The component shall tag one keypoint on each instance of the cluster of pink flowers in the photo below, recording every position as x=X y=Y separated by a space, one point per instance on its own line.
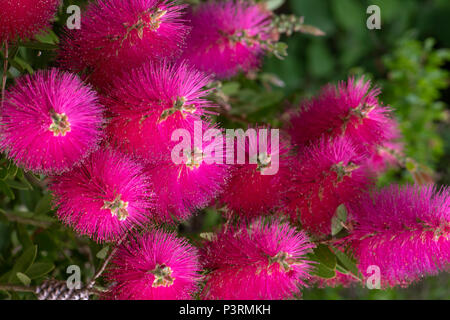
x=145 y=69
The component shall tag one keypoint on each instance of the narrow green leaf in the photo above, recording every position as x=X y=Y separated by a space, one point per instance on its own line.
x=6 y=190
x=24 y=236
x=12 y=170
x=23 y=278
x=39 y=269
x=44 y=205
x=274 y=4
x=23 y=65
x=102 y=253
x=323 y=271
x=341 y=269
x=325 y=256
x=25 y=261
x=17 y=185
x=347 y=262
x=338 y=220
x=39 y=45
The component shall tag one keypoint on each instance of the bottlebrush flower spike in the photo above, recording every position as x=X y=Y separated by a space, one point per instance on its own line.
x=50 y=122
x=352 y=110
x=388 y=154
x=227 y=36
x=261 y=261
x=104 y=197
x=151 y=102
x=260 y=180
x=192 y=183
x=340 y=280
x=405 y=231
x=154 y=266
x=25 y=18
x=121 y=34
x=328 y=174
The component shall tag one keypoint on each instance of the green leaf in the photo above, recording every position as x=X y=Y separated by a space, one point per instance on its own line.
x=12 y=170
x=323 y=271
x=23 y=278
x=22 y=65
x=39 y=45
x=102 y=253
x=17 y=185
x=24 y=236
x=325 y=256
x=347 y=262
x=39 y=269
x=341 y=269
x=338 y=220
x=274 y=4
x=4 y=172
x=25 y=261
x=44 y=205
x=6 y=190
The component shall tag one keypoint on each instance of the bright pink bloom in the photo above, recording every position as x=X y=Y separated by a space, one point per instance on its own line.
x=184 y=187
x=104 y=197
x=121 y=34
x=50 y=121
x=154 y=266
x=226 y=36
x=151 y=102
x=262 y=261
x=25 y=18
x=340 y=280
x=405 y=231
x=328 y=175
x=351 y=110
x=259 y=182
x=387 y=155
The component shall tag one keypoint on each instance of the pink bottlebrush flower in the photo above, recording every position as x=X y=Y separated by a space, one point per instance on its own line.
x=340 y=280
x=184 y=187
x=104 y=197
x=25 y=18
x=352 y=110
x=262 y=261
x=226 y=36
x=50 y=121
x=405 y=231
x=154 y=266
x=151 y=102
x=121 y=34
x=386 y=155
x=328 y=174
x=259 y=182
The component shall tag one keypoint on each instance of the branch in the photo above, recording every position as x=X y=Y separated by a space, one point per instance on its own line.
x=106 y=262
x=15 y=288
x=37 y=223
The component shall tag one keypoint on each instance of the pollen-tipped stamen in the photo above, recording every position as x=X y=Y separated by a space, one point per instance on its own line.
x=264 y=161
x=285 y=261
x=60 y=124
x=117 y=207
x=194 y=159
x=344 y=170
x=163 y=276
x=179 y=105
